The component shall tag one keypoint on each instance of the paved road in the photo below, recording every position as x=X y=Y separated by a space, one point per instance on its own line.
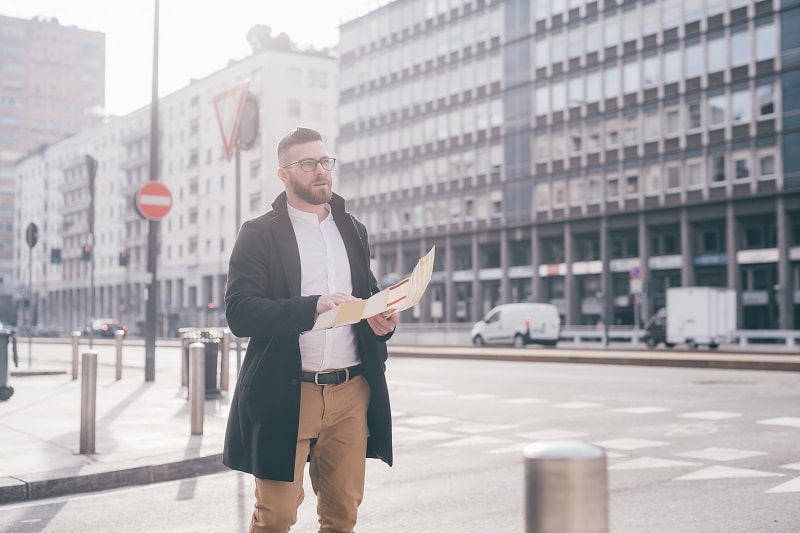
x=689 y=451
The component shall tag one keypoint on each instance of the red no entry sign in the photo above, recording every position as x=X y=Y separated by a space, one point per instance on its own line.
x=153 y=200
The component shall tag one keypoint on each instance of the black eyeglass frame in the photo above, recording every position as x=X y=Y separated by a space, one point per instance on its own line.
x=321 y=162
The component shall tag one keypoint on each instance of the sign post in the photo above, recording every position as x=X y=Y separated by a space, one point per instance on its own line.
x=636 y=291
x=153 y=200
x=31 y=237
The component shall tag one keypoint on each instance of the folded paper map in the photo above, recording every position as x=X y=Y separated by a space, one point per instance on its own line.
x=402 y=295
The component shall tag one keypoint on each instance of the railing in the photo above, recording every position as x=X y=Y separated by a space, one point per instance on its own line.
x=458 y=334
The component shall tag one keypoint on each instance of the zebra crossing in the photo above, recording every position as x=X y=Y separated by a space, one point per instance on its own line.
x=436 y=432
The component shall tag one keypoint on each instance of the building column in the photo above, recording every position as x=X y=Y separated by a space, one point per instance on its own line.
x=605 y=276
x=505 y=286
x=449 y=291
x=536 y=284
x=477 y=296
x=642 y=299
x=687 y=266
x=570 y=291
x=784 y=292
x=427 y=298
x=731 y=232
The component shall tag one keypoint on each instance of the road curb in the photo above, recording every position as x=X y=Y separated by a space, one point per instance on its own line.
x=62 y=483
x=785 y=363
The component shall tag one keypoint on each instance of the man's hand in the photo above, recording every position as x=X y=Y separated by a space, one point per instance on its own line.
x=383 y=325
x=331 y=301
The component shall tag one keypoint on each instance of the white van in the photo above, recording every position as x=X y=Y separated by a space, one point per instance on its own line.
x=518 y=324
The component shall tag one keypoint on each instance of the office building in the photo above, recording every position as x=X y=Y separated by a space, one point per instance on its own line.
x=52 y=84
x=591 y=154
x=291 y=88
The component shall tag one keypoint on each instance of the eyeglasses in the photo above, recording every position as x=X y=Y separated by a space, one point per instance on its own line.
x=310 y=165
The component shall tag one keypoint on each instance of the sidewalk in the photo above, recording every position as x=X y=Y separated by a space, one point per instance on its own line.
x=142 y=435
x=143 y=428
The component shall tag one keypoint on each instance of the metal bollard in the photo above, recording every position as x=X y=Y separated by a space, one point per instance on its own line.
x=197 y=385
x=76 y=344
x=566 y=488
x=224 y=359
x=88 y=400
x=118 y=336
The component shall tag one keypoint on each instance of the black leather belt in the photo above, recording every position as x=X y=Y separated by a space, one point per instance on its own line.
x=332 y=377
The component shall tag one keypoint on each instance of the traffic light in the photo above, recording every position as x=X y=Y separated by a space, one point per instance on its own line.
x=211 y=305
x=55 y=256
x=123 y=258
x=86 y=252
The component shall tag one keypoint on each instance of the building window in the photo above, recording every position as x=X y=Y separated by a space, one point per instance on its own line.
x=559 y=193
x=652 y=180
x=766 y=42
x=741 y=106
x=612 y=134
x=543 y=197
x=717 y=55
x=632 y=130
x=694 y=61
x=766 y=166
x=612 y=187
x=717 y=110
x=741 y=166
x=672 y=66
x=673 y=177
x=594 y=137
x=717 y=170
x=672 y=122
x=740 y=49
x=630 y=74
x=766 y=100
x=593 y=192
x=593 y=87
x=695 y=115
x=652 y=129
x=575 y=140
x=576 y=191
x=631 y=186
x=650 y=72
x=694 y=174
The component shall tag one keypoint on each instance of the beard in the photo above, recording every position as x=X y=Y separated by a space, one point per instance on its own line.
x=312 y=194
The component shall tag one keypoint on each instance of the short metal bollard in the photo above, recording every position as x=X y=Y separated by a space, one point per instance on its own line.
x=118 y=336
x=566 y=488
x=88 y=400
x=224 y=359
x=197 y=385
x=76 y=345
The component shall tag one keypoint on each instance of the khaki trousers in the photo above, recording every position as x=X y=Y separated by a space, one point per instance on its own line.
x=333 y=431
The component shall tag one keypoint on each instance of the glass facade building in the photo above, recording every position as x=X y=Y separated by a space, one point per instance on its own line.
x=588 y=154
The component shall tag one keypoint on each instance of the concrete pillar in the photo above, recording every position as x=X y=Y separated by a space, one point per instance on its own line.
x=784 y=292
x=570 y=290
x=687 y=268
x=731 y=233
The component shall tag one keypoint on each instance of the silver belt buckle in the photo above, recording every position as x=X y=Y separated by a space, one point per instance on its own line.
x=316 y=379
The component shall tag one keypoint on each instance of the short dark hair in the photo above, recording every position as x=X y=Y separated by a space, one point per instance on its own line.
x=296 y=136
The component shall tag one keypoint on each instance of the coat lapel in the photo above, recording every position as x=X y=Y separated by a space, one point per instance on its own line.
x=286 y=240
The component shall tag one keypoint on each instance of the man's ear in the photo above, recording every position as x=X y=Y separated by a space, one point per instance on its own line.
x=282 y=174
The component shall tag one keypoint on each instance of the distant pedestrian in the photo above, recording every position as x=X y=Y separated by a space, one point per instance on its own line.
x=306 y=396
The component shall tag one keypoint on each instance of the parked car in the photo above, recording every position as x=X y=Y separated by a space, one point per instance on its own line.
x=106 y=327
x=518 y=324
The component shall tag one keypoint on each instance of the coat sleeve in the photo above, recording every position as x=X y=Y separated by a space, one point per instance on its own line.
x=258 y=300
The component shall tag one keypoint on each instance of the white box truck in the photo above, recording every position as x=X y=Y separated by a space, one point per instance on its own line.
x=700 y=316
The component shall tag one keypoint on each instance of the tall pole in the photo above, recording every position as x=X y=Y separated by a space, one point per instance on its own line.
x=152 y=237
x=238 y=225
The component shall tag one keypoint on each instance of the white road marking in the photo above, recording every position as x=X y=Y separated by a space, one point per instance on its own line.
x=427 y=420
x=521 y=401
x=630 y=444
x=550 y=434
x=650 y=462
x=726 y=472
x=471 y=441
x=710 y=415
x=577 y=405
x=788 y=421
x=475 y=396
x=720 y=454
x=789 y=486
x=642 y=410
x=478 y=427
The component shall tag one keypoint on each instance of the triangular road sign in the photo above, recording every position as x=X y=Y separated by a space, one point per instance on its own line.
x=228 y=108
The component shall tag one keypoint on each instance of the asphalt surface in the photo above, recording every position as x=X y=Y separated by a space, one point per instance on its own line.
x=143 y=429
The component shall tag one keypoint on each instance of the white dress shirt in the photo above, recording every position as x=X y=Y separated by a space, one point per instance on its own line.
x=324 y=269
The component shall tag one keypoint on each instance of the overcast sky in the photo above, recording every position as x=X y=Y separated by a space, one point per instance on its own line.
x=197 y=38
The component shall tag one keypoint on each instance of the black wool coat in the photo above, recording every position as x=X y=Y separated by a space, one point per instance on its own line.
x=263 y=302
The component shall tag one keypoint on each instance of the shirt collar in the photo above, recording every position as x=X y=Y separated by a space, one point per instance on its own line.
x=297 y=214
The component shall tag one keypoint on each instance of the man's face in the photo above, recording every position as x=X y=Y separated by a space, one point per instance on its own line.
x=312 y=187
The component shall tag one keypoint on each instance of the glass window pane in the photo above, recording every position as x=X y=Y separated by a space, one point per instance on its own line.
x=575 y=92
x=650 y=70
x=672 y=66
x=742 y=107
x=695 y=115
x=740 y=49
x=611 y=78
x=717 y=55
x=717 y=110
x=717 y=163
x=593 y=87
x=611 y=32
x=766 y=100
x=542 y=100
x=694 y=61
x=631 y=77
x=766 y=42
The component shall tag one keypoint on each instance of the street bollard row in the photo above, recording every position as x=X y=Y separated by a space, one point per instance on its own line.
x=566 y=488
x=88 y=401
x=197 y=386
